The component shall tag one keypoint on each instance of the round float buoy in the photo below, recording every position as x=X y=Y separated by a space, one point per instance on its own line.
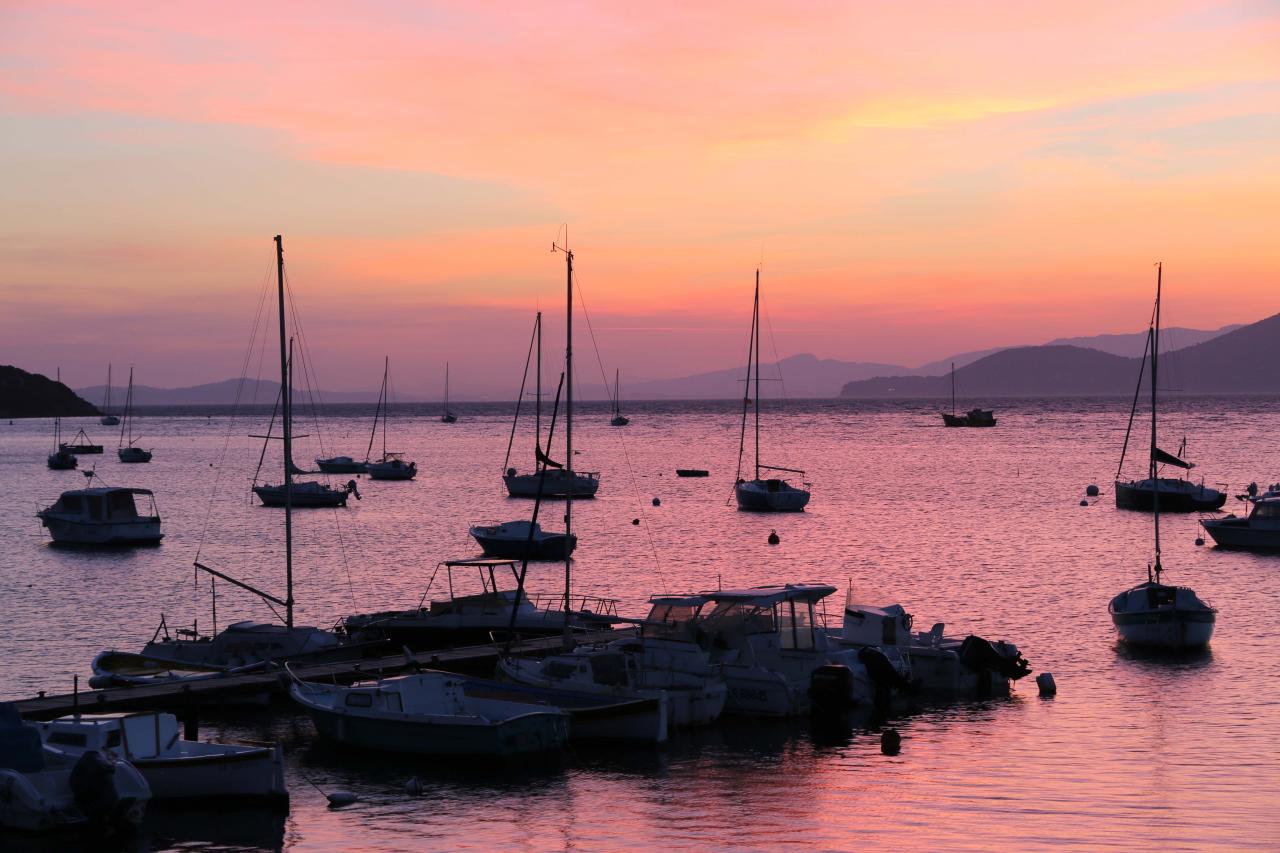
x=890 y=742
x=635 y=521
x=1084 y=503
x=657 y=502
x=773 y=537
x=338 y=799
x=1045 y=682
x=1199 y=540
x=1091 y=490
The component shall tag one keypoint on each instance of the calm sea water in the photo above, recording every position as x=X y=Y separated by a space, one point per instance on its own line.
x=981 y=529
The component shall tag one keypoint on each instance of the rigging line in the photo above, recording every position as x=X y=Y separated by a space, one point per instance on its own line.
x=635 y=492
x=342 y=546
x=528 y=359
x=313 y=390
x=777 y=361
x=746 y=395
x=582 y=301
x=1133 y=409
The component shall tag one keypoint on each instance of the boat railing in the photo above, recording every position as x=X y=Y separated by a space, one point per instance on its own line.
x=581 y=603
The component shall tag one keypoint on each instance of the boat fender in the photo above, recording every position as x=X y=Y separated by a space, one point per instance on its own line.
x=880 y=669
x=1084 y=503
x=1199 y=540
x=1046 y=684
x=831 y=688
x=414 y=787
x=890 y=742
x=338 y=799
x=101 y=682
x=93 y=786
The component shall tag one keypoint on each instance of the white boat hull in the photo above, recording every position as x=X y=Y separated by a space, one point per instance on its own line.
x=71 y=532
x=1157 y=632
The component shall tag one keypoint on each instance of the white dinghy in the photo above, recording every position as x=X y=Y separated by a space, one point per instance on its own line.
x=175 y=769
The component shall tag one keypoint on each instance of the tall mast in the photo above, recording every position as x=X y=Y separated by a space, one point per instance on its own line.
x=287 y=396
x=953 y=389
x=57 y=420
x=617 y=392
x=756 y=322
x=568 y=420
x=1155 y=360
x=446 y=387
x=106 y=405
x=537 y=398
x=386 y=369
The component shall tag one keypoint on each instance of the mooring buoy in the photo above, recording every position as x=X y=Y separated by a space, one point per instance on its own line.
x=657 y=502
x=1199 y=540
x=1084 y=503
x=635 y=521
x=1046 y=684
x=773 y=537
x=1091 y=490
x=890 y=742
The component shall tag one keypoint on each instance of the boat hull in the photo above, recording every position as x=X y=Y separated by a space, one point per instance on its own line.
x=1185 y=498
x=554 y=485
x=69 y=532
x=62 y=461
x=301 y=499
x=391 y=470
x=81 y=449
x=590 y=719
x=255 y=775
x=133 y=455
x=333 y=466
x=1239 y=534
x=760 y=496
x=109 y=420
x=555 y=546
x=1171 y=630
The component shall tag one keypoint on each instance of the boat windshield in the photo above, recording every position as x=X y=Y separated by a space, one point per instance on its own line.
x=742 y=617
x=1267 y=510
x=671 y=621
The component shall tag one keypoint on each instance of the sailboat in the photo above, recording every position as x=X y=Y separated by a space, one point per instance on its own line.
x=390 y=466
x=246 y=645
x=618 y=418
x=553 y=479
x=762 y=494
x=974 y=417
x=60 y=459
x=447 y=417
x=126 y=451
x=107 y=418
x=1154 y=614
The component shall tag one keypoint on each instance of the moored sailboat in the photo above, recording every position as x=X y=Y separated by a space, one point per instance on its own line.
x=618 y=419
x=391 y=466
x=108 y=419
x=127 y=451
x=60 y=459
x=447 y=416
x=973 y=418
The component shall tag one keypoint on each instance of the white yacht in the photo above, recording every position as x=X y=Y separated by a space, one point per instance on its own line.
x=1259 y=531
x=102 y=515
x=175 y=768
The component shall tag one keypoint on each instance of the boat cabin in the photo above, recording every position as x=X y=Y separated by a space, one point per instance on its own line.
x=768 y=617
x=673 y=617
x=131 y=736
x=103 y=505
x=865 y=625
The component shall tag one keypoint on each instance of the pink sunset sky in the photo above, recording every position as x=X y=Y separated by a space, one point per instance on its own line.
x=917 y=179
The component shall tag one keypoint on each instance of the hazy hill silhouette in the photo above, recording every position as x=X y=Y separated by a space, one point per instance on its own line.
x=30 y=395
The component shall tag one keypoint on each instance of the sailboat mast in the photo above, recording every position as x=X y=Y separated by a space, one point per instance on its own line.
x=287 y=386
x=537 y=397
x=386 y=370
x=1155 y=361
x=953 y=389
x=57 y=421
x=446 y=387
x=617 y=393
x=106 y=405
x=756 y=322
x=568 y=429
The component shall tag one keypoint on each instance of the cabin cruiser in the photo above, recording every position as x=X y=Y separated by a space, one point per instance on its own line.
x=522 y=539
x=1176 y=495
x=773 y=651
x=1259 y=531
x=340 y=465
x=470 y=618
x=770 y=495
x=939 y=665
x=391 y=467
x=41 y=792
x=665 y=660
x=430 y=713
x=175 y=768
x=555 y=483
x=308 y=494
x=102 y=516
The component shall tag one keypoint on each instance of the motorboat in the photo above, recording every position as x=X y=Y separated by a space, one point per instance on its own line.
x=391 y=467
x=307 y=494
x=430 y=713
x=108 y=419
x=41 y=793
x=103 y=515
x=467 y=617
x=522 y=539
x=762 y=493
x=1259 y=531
x=340 y=465
x=773 y=651
x=81 y=445
x=126 y=450
x=592 y=717
x=1154 y=614
x=1176 y=495
x=937 y=665
x=973 y=418
x=175 y=769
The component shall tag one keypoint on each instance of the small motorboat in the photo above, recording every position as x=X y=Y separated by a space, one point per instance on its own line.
x=692 y=472
x=1259 y=531
x=62 y=460
x=391 y=467
x=133 y=454
x=102 y=516
x=430 y=713
x=340 y=465
x=81 y=445
x=40 y=792
x=175 y=768
x=307 y=494
x=522 y=539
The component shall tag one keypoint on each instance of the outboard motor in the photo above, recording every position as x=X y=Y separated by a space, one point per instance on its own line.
x=880 y=669
x=831 y=689
x=1002 y=658
x=352 y=490
x=93 y=785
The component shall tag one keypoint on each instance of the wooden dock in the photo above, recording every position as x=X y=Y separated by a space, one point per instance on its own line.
x=244 y=686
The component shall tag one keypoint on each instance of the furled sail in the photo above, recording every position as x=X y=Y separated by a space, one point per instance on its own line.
x=544 y=459
x=1170 y=459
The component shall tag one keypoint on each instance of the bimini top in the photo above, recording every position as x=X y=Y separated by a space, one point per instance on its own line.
x=691 y=600
x=766 y=595
x=102 y=491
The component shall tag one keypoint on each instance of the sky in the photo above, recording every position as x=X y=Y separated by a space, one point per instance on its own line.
x=913 y=179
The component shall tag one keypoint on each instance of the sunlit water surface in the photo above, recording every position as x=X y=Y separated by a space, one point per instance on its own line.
x=981 y=529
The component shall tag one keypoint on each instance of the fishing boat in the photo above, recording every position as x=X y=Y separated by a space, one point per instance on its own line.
x=973 y=418
x=469 y=617
x=936 y=665
x=618 y=418
x=108 y=419
x=522 y=539
x=1154 y=614
x=60 y=459
x=447 y=416
x=192 y=654
x=762 y=494
x=103 y=515
x=549 y=479
x=126 y=450
x=40 y=792
x=81 y=445
x=1259 y=531
x=391 y=466
x=175 y=768
x=430 y=713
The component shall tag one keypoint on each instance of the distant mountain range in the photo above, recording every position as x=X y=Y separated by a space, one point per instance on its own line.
x=1239 y=361
x=30 y=395
x=223 y=393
